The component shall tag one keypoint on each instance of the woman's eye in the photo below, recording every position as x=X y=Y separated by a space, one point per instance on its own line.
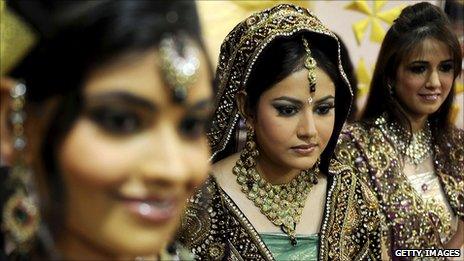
x=447 y=67
x=418 y=69
x=324 y=109
x=193 y=127
x=286 y=110
x=117 y=122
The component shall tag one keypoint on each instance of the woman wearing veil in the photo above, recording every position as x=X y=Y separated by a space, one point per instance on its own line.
x=274 y=199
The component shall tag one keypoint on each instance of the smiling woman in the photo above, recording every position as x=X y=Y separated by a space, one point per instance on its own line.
x=117 y=95
x=405 y=147
x=279 y=71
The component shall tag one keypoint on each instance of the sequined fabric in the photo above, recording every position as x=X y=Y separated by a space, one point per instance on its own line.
x=406 y=222
x=214 y=228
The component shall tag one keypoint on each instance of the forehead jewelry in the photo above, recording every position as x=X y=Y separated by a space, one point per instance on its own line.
x=179 y=65
x=310 y=64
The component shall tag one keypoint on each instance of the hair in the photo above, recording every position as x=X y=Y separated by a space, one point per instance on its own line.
x=415 y=24
x=75 y=38
x=278 y=60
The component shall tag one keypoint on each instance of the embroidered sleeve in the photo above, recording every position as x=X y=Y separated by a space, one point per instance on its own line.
x=450 y=167
x=360 y=236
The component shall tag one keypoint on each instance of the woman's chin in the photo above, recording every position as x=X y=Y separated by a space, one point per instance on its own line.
x=302 y=163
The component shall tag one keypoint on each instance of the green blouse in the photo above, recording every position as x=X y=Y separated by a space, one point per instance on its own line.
x=282 y=249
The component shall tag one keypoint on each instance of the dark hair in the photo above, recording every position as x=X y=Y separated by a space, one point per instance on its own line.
x=278 y=60
x=74 y=38
x=415 y=24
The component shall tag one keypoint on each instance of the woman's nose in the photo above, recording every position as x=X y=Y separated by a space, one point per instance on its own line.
x=164 y=159
x=433 y=80
x=307 y=126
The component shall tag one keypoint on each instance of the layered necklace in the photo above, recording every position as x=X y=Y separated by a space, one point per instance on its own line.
x=416 y=148
x=282 y=204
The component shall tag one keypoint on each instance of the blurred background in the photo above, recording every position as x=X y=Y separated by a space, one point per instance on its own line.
x=360 y=24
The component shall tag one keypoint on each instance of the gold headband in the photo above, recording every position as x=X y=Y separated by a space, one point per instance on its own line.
x=310 y=64
x=16 y=39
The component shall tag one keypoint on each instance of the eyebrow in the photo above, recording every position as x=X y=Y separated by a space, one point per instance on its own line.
x=289 y=99
x=136 y=101
x=299 y=102
x=325 y=98
x=122 y=97
x=426 y=62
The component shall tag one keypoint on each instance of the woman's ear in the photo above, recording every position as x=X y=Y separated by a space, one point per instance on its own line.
x=6 y=146
x=242 y=106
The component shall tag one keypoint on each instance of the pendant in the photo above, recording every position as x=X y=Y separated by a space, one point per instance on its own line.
x=293 y=240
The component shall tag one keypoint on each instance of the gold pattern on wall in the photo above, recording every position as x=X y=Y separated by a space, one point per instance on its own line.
x=375 y=18
x=16 y=39
x=364 y=76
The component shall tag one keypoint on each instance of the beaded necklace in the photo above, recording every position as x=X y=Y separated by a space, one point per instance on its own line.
x=418 y=149
x=282 y=204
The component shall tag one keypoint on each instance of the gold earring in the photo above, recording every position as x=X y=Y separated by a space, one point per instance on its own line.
x=250 y=151
x=20 y=213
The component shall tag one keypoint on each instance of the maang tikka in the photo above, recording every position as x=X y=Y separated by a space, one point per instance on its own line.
x=310 y=64
x=20 y=213
x=180 y=65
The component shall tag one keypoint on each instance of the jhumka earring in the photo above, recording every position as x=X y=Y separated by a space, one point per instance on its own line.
x=20 y=213
x=310 y=64
x=180 y=65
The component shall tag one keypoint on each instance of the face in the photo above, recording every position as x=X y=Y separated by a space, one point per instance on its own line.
x=424 y=80
x=290 y=131
x=134 y=156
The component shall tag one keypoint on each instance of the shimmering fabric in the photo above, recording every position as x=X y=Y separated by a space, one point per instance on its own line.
x=282 y=249
x=406 y=221
x=428 y=186
x=214 y=228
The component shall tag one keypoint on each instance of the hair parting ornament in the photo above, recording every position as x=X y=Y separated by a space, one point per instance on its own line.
x=310 y=64
x=179 y=65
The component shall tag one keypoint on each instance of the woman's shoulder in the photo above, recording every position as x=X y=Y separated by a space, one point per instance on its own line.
x=456 y=135
x=223 y=168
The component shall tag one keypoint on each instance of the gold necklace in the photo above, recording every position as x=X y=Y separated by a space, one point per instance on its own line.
x=415 y=151
x=282 y=204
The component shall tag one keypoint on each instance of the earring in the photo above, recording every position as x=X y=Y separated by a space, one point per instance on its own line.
x=390 y=88
x=20 y=213
x=315 y=171
x=250 y=151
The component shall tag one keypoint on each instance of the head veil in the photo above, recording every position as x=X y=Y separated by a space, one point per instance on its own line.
x=239 y=52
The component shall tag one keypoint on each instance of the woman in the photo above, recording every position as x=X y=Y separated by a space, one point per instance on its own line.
x=280 y=71
x=405 y=148
x=108 y=108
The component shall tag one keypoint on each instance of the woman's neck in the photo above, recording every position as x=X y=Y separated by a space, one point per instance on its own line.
x=417 y=123
x=273 y=172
